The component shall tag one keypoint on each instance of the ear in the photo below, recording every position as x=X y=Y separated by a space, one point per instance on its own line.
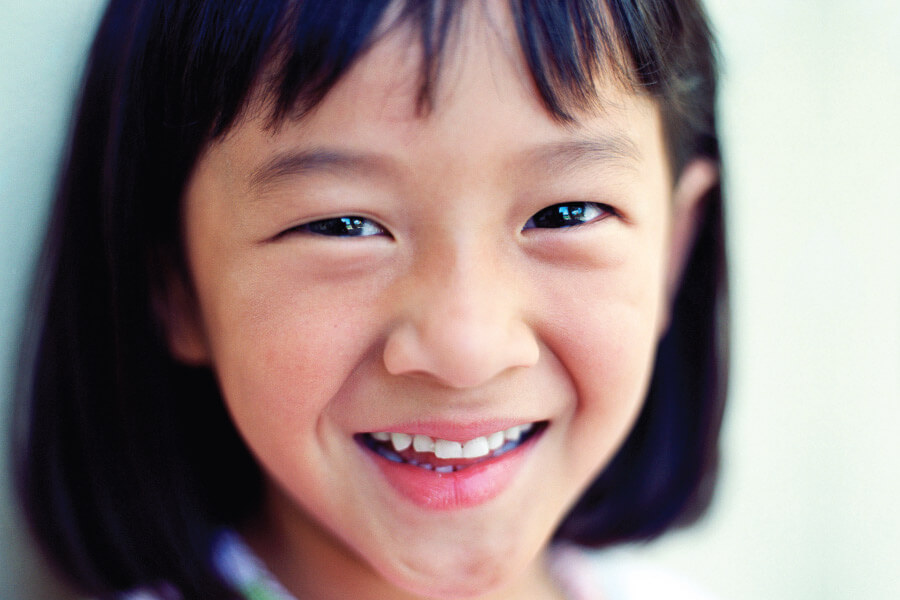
x=177 y=310
x=694 y=182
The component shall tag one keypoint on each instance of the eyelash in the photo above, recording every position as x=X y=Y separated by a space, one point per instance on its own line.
x=567 y=215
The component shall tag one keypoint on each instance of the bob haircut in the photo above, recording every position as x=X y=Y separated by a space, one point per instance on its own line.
x=126 y=461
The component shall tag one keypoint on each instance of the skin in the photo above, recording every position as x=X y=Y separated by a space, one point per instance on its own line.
x=457 y=310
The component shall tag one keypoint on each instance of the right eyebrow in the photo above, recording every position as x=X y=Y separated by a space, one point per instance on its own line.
x=614 y=149
x=307 y=162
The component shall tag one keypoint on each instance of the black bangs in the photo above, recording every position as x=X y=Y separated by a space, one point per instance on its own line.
x=564 y=43
x=567 y=46
x=291 y=54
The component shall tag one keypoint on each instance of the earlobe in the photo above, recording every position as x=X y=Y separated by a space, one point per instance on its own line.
x=692 y=187
x=177 y=311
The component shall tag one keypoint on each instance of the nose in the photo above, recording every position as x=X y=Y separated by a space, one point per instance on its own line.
x=461 y=323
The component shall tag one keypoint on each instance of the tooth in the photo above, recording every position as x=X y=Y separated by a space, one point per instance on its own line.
x=426 y=466
x=447 y=449
x=495 y=440
x=381 y=436
x=513 y=433
x=423 y=443
x=444 y=469
x=526 y=427
x=476 y=448
x=401 y=441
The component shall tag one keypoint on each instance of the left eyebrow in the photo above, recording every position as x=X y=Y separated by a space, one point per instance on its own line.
x=613 y=149
x=311 y=162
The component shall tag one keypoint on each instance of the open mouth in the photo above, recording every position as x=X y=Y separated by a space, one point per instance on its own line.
x=446 y=456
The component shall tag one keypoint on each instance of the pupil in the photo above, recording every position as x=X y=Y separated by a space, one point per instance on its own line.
x=340 y=226
x=560 y=215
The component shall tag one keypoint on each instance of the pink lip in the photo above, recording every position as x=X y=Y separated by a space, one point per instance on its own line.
x=466 y=488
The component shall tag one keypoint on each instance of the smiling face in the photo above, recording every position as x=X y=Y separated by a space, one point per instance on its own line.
x=369 y=278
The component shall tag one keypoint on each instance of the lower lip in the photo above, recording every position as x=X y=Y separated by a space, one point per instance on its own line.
x=466 y=488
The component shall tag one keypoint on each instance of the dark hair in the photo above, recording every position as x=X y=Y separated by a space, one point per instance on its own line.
x=117 y=485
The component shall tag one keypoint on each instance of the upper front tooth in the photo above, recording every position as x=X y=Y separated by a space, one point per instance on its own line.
x=476 y=448
x=495 y=440
x=401 y=441
x=423 y=443
x=447 y=449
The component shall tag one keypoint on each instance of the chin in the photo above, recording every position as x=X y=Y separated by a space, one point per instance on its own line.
x=454 y=586
x=457 y=572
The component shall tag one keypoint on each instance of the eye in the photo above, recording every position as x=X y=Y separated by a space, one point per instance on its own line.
x=349 y=226
x=568 y=214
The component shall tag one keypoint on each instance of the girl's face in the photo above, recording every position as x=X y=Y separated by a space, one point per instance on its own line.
x=445 y=277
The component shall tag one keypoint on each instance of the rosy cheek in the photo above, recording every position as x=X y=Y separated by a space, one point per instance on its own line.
x=284 y=347
x=602 y=327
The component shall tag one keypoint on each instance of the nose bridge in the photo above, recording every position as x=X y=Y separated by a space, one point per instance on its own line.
x=471 y=287
x=463 y=317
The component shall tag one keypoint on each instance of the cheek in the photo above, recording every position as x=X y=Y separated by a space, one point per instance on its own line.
x=603 y=330
x=609 y=358
x=281 y=350
x=283 y=356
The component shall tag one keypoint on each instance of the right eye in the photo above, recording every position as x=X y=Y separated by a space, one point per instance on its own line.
x=568 y=214
x=349 y=226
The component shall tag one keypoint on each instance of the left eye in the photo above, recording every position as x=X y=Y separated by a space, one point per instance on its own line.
x=567 y=214
x=350 y=226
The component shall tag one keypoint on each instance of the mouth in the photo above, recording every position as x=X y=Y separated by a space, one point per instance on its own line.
x=447 y=456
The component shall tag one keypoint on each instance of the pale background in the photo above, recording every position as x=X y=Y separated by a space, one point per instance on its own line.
x=806 y=509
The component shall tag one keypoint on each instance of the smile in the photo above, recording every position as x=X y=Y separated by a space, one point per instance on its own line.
x=447 y=456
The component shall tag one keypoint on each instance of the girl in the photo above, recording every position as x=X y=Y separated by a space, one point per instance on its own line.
x=377 y=299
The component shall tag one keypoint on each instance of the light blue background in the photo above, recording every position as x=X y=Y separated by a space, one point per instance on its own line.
x=42 y=48
x=808 y=503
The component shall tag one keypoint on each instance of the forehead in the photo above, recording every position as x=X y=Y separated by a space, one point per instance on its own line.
x=484 y=102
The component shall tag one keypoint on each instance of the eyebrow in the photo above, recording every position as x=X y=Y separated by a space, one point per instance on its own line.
x=317 y=160
x=614 y=149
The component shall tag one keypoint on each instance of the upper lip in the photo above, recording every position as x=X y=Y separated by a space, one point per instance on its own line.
x=454 y=431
